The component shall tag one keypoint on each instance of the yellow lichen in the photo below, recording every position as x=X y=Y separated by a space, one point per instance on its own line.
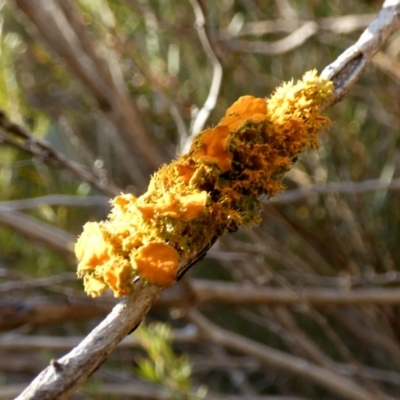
x=92 y=249
x=94 y=286
x=212 y=189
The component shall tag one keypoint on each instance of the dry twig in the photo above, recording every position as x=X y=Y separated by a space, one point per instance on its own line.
x=336 y=187
x=44 y=151
x=55 y=200
x=34 y=229
x=337 y=25
x=328 y=379
x=59 y=24
x=208 y=44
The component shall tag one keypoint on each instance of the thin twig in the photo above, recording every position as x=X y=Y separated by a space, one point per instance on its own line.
x=237 y=294
x=160 y=90
x=139 y=391
x=59 y=24
x=35 y=311
x=43 y=150
x=39 y=311
x=209 y=47
x=55 y=200
x=338 y=25
x=298 y=366
x=12 y=286
x=367 y=335
x=346 y=281
x=288 y=43
x=34 y=229
x=336 y=187
x=17 y=342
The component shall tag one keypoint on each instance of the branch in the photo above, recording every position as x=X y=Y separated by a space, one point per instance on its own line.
x=53 y=237
x=13 y=342
x=59 y=380
x=44 y=151
x=58 y=23
x=235 y=294
x=55 y=200
x=338 y=25
x=62 y=377
x=278 y=359
x=44 y=310
x=336 y=187
x=139 y=391
x=49 y=310
x=348 y=67
x=34 y=229
x=30 y=283
x=288 y=43
x=212 y=54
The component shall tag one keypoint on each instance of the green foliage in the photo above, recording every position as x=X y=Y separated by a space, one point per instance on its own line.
x=163 y=366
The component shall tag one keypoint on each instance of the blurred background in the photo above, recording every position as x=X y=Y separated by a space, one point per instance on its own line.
x=96 y=95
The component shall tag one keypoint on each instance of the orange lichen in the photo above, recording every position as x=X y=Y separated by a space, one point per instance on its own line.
x=157 y=263
x=246 y=108
x=214 y=188
x=213 y=147
x=185 y=172
x=248 y=105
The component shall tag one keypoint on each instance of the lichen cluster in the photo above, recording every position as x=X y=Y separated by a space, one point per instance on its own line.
x=214 y=188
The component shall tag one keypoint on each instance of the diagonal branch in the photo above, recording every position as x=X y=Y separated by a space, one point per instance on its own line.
x=55 y=200
x=337 y=187
x=23 y=140
x=322 y=376
x=338 y=25
x=212 y=54
x=49 y=310
x=58 y=24
x=348 y=67
x=288 y=43
x=54 y=237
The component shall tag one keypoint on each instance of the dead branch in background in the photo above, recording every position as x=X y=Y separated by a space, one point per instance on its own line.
x=55 y=200
x=290 y=42
x=59 y=24
x=19 y=137
x=211 y=52
x=338 y=25
x=326 y=378
x=336 y=187
x=299 y=32
x=62 y=377
x=72 y=306
x=36 y=230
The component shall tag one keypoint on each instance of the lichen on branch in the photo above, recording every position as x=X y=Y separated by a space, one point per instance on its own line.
x=214 y=188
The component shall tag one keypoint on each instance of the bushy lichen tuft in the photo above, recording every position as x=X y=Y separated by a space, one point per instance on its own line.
x=214 y=188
